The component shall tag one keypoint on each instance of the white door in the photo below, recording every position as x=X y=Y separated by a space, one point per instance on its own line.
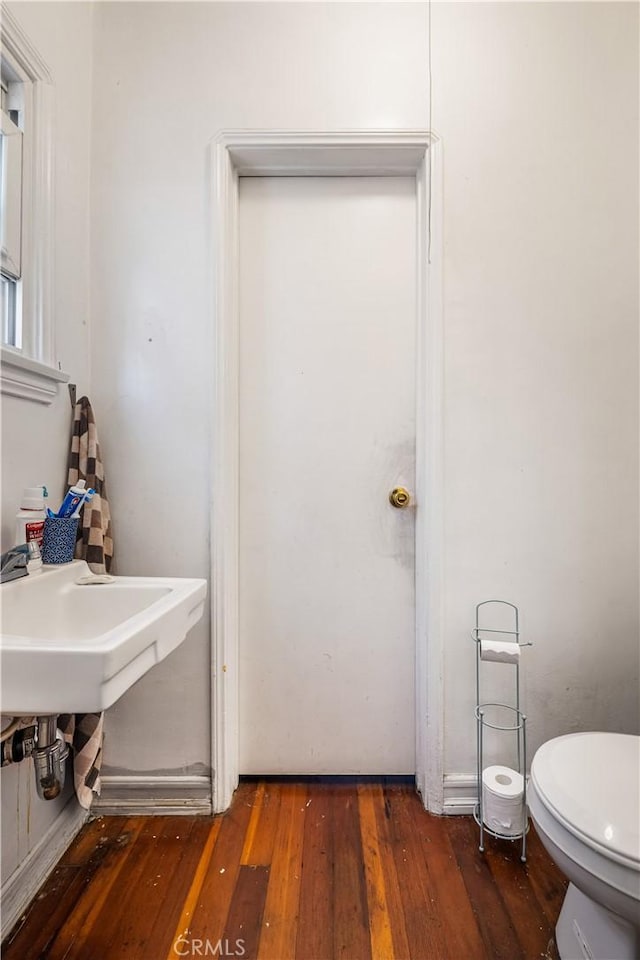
x=327 y=292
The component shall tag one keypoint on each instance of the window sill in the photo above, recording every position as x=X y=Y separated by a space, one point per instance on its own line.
x=29 y=379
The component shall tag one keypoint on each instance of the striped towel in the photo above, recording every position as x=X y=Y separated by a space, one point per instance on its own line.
x=83 y=732
x=95 y=541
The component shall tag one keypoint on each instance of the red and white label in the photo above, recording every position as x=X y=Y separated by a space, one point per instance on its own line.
x=34 y=530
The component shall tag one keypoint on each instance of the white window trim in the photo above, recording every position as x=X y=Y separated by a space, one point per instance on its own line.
x=31 y=372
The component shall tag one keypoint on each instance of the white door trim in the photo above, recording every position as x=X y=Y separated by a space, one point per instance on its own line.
x=368 y=153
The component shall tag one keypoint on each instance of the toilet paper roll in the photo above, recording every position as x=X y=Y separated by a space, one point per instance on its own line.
x=503 y=781
x=502 y=796
x=500 y=651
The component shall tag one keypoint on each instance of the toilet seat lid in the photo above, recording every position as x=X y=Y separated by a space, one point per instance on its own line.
x=591 y=782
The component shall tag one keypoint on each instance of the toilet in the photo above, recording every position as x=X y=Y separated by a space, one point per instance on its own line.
x=584 y=799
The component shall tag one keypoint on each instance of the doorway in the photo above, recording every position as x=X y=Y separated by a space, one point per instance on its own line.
x=361 y=155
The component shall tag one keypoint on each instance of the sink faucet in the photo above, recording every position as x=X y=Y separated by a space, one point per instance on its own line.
x=13 y=563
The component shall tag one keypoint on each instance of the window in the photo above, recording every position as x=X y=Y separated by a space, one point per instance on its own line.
x=10 y=207
x=28 y=353
x=11 y=332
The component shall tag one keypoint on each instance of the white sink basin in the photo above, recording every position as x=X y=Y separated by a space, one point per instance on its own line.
x=70 y=648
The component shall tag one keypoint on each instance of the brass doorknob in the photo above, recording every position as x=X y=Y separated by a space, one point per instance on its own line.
x=400 y=498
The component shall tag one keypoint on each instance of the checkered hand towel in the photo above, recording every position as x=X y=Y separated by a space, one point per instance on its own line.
x=95 y=543
x=83 y=732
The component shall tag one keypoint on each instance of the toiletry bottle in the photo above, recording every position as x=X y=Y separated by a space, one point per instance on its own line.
x=31 y=516
x=72 y=500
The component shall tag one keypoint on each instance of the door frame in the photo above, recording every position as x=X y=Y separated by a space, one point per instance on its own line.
x=350 y=153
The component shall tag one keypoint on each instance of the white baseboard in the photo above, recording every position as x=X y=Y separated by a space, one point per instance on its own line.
x=21 y=887
x=141 y=795
x=460 y=794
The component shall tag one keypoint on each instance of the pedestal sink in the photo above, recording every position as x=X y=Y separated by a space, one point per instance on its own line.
x=68 y=647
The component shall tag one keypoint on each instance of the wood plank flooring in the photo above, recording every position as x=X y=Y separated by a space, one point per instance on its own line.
x=312 y=869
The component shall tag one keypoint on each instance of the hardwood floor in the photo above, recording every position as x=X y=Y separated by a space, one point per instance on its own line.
x=312 y=869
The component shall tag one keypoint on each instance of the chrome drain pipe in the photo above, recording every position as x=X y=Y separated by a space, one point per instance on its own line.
x=49 y=758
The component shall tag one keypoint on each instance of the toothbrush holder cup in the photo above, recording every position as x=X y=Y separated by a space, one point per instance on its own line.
x=59 y=541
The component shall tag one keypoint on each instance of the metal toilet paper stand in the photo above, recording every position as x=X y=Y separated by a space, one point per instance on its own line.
x=487 y=714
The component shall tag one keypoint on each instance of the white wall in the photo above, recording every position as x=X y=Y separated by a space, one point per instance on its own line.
x=168 y=76
x=35 y=438
x=537 y=108
x=537 y=105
